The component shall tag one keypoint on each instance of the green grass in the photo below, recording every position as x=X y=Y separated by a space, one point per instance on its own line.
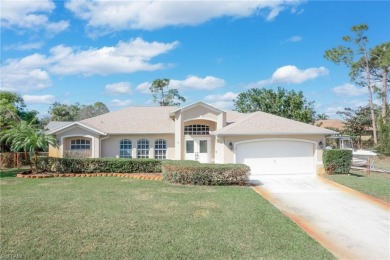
x=4 y=173
x=376 y=185
x=118 y=218
x=382 y=162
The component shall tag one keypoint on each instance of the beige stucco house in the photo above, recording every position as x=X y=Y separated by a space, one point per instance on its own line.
x=267 y=143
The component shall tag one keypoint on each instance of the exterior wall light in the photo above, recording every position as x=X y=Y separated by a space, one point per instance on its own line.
x=231 y=146
x=321 y=144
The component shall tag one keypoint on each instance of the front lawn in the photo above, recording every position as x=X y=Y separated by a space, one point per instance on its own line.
x=376 y=185
x=120 y=218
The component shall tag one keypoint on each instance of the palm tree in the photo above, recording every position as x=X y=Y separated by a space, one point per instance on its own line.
x=29 y=139
x=322 y=117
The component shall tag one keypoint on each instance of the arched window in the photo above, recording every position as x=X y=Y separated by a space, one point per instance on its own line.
x=143 y=148
x=125 y=148
x=197 y=130
x=160 y=149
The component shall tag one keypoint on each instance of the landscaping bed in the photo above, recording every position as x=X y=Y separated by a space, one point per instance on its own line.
x=180 y=171
x=121 y=218
x=148 y=176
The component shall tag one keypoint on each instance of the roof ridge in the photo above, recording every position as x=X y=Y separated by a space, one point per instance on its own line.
x=125 y=108
x=263 y=123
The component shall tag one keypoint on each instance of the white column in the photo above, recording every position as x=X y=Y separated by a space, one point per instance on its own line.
x=178 y=135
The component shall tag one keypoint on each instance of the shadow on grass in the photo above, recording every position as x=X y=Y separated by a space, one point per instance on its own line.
x=351 y=174
x=6 y=173
x=356 y=174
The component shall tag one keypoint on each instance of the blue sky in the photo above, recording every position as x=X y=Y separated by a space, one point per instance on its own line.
x=110 y=51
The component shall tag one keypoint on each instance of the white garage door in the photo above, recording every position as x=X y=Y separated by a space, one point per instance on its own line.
x=277 y=156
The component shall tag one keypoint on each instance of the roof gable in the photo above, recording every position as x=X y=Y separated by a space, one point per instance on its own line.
x=74 y=124
x=198 y=103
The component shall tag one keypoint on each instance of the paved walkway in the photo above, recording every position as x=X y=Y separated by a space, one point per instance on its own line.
x=348 y=225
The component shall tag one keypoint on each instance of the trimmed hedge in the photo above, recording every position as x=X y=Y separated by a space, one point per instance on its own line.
x=190 y=172
x=97 y=165
x=337 y=161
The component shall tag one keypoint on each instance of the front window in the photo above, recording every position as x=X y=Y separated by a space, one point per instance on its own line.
x=160 y=149
x=203 y=146
x=125 y=148
x=190 y=146
x=80 y=144
x=197 y=130
x=143 y=148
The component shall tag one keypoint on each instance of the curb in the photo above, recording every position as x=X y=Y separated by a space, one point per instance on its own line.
x=378 y=202
x=154 y=177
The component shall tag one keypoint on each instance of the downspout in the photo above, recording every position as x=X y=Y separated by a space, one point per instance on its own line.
x=100 y=145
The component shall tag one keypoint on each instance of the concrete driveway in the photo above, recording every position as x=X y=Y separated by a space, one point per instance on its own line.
x=346 y=223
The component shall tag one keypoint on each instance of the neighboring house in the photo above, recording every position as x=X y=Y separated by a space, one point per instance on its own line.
x=339 y=126
x=336 y=124
x=199 y=131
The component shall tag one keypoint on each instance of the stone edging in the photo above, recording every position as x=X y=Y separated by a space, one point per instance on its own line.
x=146 y=176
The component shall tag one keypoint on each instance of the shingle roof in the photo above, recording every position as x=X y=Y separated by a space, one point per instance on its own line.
x=135 y=120
x=157 y=120
x=260 y=123
x=232 y=116
x=53 y=125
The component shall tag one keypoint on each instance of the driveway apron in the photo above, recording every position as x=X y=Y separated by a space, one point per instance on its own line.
x=348 y=225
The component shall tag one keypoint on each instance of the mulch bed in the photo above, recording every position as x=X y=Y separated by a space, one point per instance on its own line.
x=143 y=176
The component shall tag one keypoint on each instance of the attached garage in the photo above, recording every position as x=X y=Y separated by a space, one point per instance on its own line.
x=277 y=156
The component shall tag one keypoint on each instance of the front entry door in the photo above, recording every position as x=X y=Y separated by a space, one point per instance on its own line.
x=198 y=150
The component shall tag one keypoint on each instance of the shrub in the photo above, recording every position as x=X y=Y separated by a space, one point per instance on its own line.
x=337 y=161
x=96 y=165
x=189 y=172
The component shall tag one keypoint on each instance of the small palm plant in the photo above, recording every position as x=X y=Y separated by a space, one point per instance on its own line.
x=28 y=138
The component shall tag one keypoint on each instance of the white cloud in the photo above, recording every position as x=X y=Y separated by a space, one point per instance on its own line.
x=57 y=27
x=24 y=46
x=291 y=75
x=348 y=89
x=25 y=74
x=32 y=72
x=31 y=15
x=294 y=38
x=150 y=15
x=43 y=99
x=191 y=82
x=125 y=57
x=144 y=87
x=332 y=111
x=228 y=96
x=294 y=10
x=120 y=103
x=194 y=82
x=119 y=88
x=222 y=101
